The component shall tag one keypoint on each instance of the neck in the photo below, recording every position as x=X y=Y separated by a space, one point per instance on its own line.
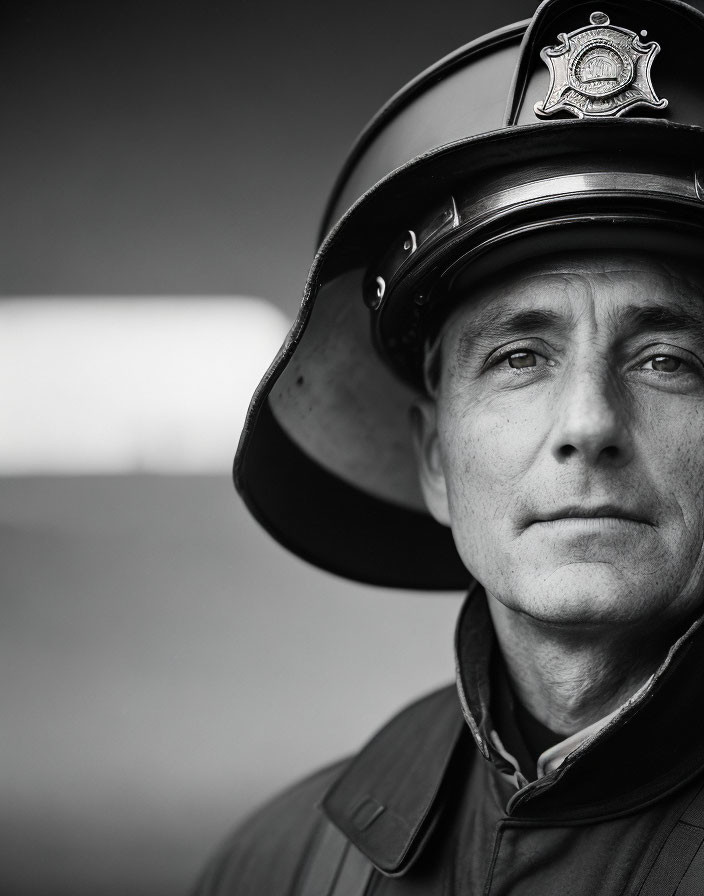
x=570 y=677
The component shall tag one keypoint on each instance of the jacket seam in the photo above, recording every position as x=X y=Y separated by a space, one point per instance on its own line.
x=309 y=852
x=640 y=875
x=498 y=837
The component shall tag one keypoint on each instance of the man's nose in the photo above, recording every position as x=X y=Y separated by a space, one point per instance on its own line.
x=592 y=422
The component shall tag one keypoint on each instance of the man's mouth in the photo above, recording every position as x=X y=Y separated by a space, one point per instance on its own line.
x=606 y=513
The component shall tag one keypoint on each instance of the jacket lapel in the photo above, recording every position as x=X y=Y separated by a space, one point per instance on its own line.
x=389 y=796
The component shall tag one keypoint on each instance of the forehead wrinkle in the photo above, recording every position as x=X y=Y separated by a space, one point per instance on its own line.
x=564 y=284
x=685 y=279
x=493 y=316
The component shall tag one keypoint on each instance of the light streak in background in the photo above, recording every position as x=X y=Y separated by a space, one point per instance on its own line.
x=129 y=385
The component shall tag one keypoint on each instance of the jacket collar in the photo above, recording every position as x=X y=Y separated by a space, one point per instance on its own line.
x=652 y=746
x=390 y=795
x=386 y=799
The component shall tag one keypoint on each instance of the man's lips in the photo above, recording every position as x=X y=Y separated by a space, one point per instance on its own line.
x=594 y=512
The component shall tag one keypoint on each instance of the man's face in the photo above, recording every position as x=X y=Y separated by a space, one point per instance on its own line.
x=566 y=444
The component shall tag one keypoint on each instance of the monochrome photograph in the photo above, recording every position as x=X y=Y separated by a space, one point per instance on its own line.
x=352 y=449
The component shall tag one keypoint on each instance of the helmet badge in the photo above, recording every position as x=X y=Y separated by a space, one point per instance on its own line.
x=599 y=71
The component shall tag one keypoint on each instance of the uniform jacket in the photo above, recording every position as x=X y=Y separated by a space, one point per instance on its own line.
x=428 y=806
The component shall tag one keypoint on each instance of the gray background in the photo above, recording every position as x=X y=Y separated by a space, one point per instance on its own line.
x=164 y=664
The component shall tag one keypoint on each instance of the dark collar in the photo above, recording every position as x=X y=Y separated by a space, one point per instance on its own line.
x=386 y=800
x=389 y=796
x=483 y=687
x=652 y=748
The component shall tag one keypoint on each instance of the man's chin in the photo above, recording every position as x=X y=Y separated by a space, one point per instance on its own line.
x=593 y=593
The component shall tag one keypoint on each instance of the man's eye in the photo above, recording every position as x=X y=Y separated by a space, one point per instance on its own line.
x=522 y=359
x=663 y=363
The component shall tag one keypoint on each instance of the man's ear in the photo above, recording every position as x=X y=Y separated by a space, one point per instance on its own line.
x=426 y=444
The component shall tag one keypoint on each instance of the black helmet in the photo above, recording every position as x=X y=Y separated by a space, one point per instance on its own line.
x=560 y=132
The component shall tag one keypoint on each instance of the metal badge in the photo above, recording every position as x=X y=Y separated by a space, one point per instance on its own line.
x=599 y=71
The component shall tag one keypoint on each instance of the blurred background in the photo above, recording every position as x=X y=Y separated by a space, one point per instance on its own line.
x=164 y=665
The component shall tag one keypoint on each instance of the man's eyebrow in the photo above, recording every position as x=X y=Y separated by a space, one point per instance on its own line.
x=493 y=325
x=665 y=318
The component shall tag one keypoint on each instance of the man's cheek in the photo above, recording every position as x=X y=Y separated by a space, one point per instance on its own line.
x=497 y=452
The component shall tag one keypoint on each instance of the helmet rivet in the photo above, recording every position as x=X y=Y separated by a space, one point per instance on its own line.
x=375 y=300
x=409 y=244
x=699 y=183
x=374 y=293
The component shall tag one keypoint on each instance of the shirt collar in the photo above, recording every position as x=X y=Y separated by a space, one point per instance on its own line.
x=552 y=758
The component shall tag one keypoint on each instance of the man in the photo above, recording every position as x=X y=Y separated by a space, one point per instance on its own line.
x=535 y=295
